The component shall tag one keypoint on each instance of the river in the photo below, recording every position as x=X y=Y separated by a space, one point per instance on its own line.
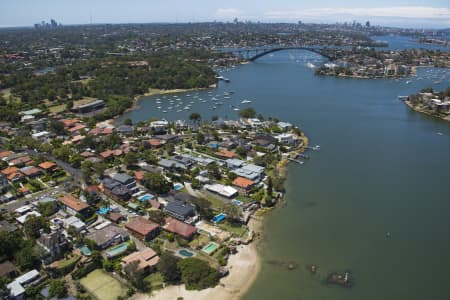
x=381 y=168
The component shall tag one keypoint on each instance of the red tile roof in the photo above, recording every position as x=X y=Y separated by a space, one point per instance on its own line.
x=243 y=182
x=139 y=175
x=146 y=258
x=5 y=154
x=141 y=226
x=180 y=228
x=227 y=154
x=73 y=203
x=47 y=165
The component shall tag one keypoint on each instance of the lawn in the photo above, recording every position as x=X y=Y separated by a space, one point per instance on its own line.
x=57 y=108
x=155 y=281
x=236 y=230
x=102 y=285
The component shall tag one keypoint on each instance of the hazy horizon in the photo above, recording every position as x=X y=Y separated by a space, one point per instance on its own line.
x=395 y=13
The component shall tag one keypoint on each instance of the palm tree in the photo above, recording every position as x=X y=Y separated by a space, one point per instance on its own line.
x=195 y=117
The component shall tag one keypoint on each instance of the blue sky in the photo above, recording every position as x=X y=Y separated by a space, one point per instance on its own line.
x=411 y=13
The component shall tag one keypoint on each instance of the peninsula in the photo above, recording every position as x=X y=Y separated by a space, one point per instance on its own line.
x=436 y=104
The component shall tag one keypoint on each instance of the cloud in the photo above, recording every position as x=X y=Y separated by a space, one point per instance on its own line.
x=227 y=13
x=410 y=12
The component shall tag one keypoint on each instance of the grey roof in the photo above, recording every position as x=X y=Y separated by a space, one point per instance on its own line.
x=6 y=226
x=109 y=183
x=123 y=178
x=180 y=208
x=168 y=163
x=125 y=129
x=107 y=233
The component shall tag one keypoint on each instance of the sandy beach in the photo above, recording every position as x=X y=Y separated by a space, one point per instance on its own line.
x=244 y=268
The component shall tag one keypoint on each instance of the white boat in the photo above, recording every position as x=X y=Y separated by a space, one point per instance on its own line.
x=310 y=65
x=164 y=111
x=246 y=101
x=236 y=109
x=159 y=107
x=402 y=98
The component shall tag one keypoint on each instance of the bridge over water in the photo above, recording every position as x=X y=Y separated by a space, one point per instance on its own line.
x=255 y=53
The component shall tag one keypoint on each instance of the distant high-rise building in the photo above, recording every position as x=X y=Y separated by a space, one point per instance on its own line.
x=53 y=23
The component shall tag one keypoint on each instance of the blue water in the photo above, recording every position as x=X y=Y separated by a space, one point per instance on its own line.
x=406 y=42
x=382 y=167
x=104 y=210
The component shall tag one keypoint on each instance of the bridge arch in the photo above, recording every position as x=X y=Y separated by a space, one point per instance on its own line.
x=268 y=51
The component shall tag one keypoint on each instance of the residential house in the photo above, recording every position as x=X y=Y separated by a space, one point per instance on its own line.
x=116 y=190
x=17 y=287
x=52 y=245
x=108 y=236
x=3 y=183
x=73 y=205
x=6 y=226
x=30 y=171
x=179 y=210
x=48 y=166
x=243 y=184
x=180 y=228
x=125 y=180
x=12 y=174
x=41 y=136
x=75 y=223
x=147 y=260
x=142 y=228
x=7 y=269
x=222 y=190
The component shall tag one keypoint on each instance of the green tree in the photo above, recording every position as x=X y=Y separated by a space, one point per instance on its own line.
x=200 y=138
x=33 y=225
x=195 y=117
x=232 y=211
x=168 y=266
x=128 y=121
x=196 y=274
x=247 y=112
x=136 y=276
x=27 y=258
x=269 y=186
x=57 y=288
x=157 y=216
x=157 y=183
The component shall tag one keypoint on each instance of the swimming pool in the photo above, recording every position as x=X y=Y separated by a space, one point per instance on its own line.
x=85 y=251
x=218 y=218
x=116 y=250
x=146 y=197
x=210 y=248
x=186 y=253
x=104 y=210
x=177 y=186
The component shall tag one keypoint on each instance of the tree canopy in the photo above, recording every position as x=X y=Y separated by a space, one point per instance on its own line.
x=196 y=274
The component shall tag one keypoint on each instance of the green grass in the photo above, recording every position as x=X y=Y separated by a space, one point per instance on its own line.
x=244 y=199
x=155 y=281
x=216 y=203
x=235 y=230
x=68 y=262
x=57 y=108
x=102 y=285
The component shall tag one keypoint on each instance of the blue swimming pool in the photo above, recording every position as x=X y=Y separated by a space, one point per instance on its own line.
x=104 y=210
x=186 y=253
x=218 y=218
x=146 y=197
x=177 y=186
x=116 y=250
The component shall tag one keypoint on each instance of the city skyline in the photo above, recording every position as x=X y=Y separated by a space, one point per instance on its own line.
x=399 y=13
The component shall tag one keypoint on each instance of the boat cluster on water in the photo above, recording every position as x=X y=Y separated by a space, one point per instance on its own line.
x=179 y=103
x=437 y=76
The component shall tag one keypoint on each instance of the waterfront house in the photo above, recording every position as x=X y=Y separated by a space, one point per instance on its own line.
x=180 y=228
x=147 y=260
x=142 y=228
x=17 y=287
x=221 y=190
x=243 y=184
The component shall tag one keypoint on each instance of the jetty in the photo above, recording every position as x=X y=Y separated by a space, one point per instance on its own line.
x=296 y=160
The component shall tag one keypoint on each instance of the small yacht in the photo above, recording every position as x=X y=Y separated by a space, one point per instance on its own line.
x=246 y=101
